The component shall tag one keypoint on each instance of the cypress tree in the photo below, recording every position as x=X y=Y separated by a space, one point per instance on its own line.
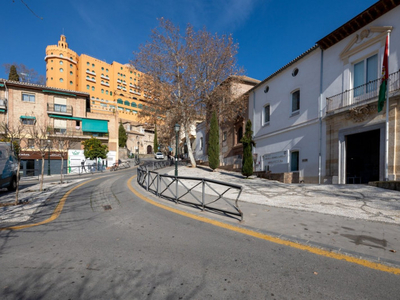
x=248 y=143
x=122 y=136
x=213 y=143
x=13 y=75
x=155 y=142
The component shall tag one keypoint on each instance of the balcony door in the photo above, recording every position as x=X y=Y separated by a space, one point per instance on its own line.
x=365 y=76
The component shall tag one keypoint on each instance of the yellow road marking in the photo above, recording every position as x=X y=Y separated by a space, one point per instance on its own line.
x=311 y=249
x=56 y=213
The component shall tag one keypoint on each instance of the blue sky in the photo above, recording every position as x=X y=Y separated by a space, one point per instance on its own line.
x=270 y=33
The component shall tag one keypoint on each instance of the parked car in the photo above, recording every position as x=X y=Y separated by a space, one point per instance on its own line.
x=8 y=167
x=159 y=155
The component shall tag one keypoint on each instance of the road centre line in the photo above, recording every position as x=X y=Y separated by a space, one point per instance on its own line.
x=311 y=249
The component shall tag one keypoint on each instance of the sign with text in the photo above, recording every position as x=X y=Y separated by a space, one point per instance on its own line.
x=281 y=157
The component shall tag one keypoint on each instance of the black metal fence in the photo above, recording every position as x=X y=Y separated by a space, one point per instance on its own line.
x=202 y=193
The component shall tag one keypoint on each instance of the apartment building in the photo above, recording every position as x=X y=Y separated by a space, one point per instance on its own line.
x=114 y=88
x=62 y=112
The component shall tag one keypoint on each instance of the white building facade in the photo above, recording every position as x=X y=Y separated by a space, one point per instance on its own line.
x=284 y=109
x=318 y=114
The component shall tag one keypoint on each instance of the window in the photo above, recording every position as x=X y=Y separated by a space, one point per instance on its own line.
x=71 y=83
x=61 y=80
x=31 y=143
x=295 y=101
x=61 y=70
x=28 y=98
x=107 y=70
x=126 y=103
x=266 y=114
x=102 y=68
x=88 y=87
x=201 y=143
x=140 y=106
x=26 y=120
x=295 y=72
x=365 y=76
x=133 y=104
x=294 y=161
x=239 y=134
x=106 y=92
x=110 y=93
x=88 y=63
x=224 y=136
x=61 y=55
x=119 y=101
x=102 y=91
x=70 y=65
x=70 y=72
x=93 y=65
x=92 y=88
x=61 y=62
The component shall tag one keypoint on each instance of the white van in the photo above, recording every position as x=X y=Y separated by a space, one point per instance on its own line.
x=8 y=167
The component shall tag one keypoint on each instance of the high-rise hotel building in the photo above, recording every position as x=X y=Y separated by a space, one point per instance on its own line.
x=114 y=88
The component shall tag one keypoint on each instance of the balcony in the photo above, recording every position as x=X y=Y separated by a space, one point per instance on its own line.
x=360 y=95
x=59 y=109
x=104 y=77
x=105 y=83
x=90 y=72
x=71 y=132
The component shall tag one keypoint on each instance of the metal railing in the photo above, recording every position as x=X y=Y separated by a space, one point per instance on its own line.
x=203 y=193
x=361 y=94
x=60 y=108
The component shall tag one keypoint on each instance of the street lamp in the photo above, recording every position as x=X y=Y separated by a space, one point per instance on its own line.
x=138 y=150
x=177 y=127
x=48 y=161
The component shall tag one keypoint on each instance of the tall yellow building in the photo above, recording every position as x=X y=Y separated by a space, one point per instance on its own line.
x=113 y=88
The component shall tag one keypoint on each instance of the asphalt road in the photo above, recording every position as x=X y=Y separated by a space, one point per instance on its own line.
x=109 y=244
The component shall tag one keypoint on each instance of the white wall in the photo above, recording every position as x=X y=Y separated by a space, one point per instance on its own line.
x=285 y=131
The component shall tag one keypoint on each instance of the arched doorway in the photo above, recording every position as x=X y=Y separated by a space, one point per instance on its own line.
x=149 y=149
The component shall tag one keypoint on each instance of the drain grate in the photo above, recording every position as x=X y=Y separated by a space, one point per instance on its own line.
x=107 y=207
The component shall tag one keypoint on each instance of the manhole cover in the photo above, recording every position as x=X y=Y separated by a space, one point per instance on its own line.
x=107 y=207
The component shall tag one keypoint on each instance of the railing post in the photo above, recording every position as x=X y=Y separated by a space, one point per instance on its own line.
x=203 y=193
x=148 y=180
x=158 y=184
x=176 y=185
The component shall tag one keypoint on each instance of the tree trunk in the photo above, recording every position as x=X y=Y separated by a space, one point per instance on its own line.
x=62 y=165
x=189 y=148
x=41 y=177
x=17 y=189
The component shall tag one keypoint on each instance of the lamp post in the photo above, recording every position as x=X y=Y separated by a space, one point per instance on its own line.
x=48 y=161
x=138 y=150
x=177 y=127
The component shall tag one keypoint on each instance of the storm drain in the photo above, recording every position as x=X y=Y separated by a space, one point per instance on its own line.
x=107 y=207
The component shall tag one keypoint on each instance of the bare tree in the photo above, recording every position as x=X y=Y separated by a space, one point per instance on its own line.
x=182 y=74
x=25 y=74
x=61 y=142
x=38 y=134
x=14 y=134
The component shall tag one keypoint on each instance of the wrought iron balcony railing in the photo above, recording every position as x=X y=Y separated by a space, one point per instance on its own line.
x=54 y=108
x=361 y=95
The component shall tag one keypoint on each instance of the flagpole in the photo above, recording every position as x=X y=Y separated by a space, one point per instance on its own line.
x=387 y=116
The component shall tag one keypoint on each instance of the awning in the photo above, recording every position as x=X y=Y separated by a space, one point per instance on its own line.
x=28 y=117
x=65 y=117
x=91 y=125
x=59 y=93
